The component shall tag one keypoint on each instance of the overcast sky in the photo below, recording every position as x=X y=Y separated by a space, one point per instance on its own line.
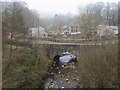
x=60 y=6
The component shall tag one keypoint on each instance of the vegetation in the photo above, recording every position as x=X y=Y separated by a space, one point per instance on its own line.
x=98 y=66
x=88 y=18
x=17 y=17
x=26 y=69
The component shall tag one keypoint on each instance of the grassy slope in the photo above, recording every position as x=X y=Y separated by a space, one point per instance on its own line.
x=26 y=69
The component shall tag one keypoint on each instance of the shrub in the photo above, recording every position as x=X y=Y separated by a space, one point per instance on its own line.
x=98 y=66
x=27 y=68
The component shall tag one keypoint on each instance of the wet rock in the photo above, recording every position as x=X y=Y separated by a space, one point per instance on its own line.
x=66 y=67
x=59 y=72
x=51 y=68
x=75 y=79
x=56 y=86
x=68 y=76
x=51 y=82
x=69 y=83
x=51 y=74
x=51 y=85
x=75 y=72
x=57 y=67
x=63 y=66
x=73 y=67
x=67 y=80
x=62 y=75
x=62 y=87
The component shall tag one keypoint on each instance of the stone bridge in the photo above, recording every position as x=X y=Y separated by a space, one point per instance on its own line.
x=55 y=49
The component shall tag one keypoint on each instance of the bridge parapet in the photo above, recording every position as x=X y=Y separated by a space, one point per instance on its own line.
x=55 y=49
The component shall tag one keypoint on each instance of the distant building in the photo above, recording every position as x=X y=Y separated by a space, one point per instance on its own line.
x=104 y=30
x=65 y=28
x=72 y=29
x=53 y=32
x=77 y=29
x=115 y=29
x=38 y=32
x=65 y=32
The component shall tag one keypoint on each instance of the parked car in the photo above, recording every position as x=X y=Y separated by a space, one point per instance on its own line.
x=65 y=58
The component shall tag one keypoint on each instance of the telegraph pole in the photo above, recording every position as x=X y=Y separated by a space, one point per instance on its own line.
x=38 y=28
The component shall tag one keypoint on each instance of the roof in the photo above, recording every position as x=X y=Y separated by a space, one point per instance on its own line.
x=114 y=27
x=106 y=26
x=40 y=28
x=101 y=26
x=65 y=59
x=65 y=28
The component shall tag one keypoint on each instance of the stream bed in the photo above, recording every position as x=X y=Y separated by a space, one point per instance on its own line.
x=64 y=76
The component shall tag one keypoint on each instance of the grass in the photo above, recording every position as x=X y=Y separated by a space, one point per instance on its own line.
x=27 y=68
x=98 y=66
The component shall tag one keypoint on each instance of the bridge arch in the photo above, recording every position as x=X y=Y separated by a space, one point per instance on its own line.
x=57 y=49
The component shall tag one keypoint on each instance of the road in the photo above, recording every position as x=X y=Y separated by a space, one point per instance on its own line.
x=82 y=43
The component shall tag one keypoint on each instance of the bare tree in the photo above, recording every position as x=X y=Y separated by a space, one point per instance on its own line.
x=95 y=14
x=12 y=22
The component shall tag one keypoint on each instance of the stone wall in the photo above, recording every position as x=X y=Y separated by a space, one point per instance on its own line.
x=55 y=49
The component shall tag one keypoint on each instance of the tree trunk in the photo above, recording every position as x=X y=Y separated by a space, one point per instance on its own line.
x=11 y=44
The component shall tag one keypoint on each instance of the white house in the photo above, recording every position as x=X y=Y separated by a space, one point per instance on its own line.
x=105 y=30
x=38 y=32
x=115 y=29
x=72 y=29
x=65 y=32
x=75 y=33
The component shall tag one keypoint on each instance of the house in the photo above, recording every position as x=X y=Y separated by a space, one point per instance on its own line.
x=75 y=33
x=65 y=28
x=65 y=32
x=115 y=29
x=77 y=29
x=74 y=29
x=38 y=32
x=105 y=30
